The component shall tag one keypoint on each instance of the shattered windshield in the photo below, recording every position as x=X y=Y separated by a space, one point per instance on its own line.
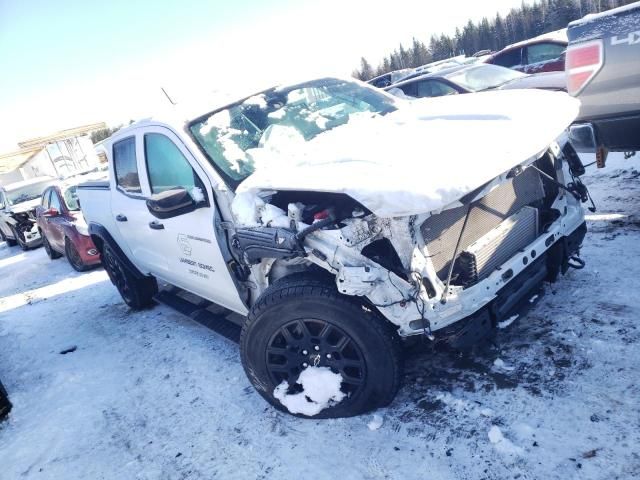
x=232 y=136
x=26 y=193
x=483 y=77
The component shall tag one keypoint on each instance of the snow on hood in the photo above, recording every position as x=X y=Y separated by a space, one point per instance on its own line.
x=421 y=157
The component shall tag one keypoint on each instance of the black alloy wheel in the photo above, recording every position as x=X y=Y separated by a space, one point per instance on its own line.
x=301 y=322
x=317 y=343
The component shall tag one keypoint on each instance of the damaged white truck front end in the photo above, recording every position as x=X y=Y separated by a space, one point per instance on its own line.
x=426 y=222
x=427 y=271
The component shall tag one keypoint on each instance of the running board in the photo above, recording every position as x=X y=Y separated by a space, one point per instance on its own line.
x=199 y=310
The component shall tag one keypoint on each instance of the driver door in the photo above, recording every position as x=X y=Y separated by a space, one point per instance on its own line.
x=187 y=241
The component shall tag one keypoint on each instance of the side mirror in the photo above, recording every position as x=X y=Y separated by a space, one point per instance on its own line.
x=51 y=212
x=171 y=203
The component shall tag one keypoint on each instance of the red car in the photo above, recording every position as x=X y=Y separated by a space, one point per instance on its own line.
x=63 y=229
x=540 y=54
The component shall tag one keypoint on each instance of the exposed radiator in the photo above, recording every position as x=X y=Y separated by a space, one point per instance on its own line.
x=441 y=231
x=497 y=246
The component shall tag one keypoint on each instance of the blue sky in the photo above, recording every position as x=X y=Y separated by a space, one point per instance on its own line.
x=68 y=62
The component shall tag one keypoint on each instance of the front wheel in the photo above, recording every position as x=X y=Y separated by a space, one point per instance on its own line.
x=136 y=292
x=301 y=323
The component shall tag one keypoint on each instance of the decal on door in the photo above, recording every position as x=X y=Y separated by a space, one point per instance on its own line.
x=186 y=249
x=184 y=244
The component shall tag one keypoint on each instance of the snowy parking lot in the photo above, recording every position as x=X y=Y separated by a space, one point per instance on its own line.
x=100 y=391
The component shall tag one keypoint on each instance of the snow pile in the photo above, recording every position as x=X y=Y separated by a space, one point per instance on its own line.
x=419 y=158
x=375 y=423
x=499 y=364
x=320 y=389
x=197 y=195
x=251 y=211
x=502 y=444
x=507 y=322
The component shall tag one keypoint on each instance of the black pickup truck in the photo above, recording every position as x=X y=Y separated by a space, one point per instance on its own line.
x=603 y=71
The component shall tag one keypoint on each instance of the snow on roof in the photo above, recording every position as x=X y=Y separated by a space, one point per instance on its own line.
x=555 y=36
x=596 y=16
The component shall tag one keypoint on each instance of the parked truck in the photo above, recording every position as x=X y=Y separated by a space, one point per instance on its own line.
x=338 y=220
x=603 y=71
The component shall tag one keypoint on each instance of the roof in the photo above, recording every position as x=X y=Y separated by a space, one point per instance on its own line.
x=61 y=135
x=597 y=16
x=437 y=74
x=14 y=160
x=558 y=36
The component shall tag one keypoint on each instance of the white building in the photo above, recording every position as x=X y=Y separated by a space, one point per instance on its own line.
x=62 y=154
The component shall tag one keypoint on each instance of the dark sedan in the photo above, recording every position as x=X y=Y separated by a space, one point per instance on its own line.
x=63 y=229
x=474 y=78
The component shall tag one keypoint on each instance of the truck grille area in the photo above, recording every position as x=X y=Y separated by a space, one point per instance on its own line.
x=481 y=249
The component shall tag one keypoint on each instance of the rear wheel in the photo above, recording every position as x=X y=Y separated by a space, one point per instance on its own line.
x=47 y=248
x=300 y=323
x=136 y=292
x=73 y=256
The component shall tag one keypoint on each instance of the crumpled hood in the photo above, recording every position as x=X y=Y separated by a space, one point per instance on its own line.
x=25 y=206
x=422 y=157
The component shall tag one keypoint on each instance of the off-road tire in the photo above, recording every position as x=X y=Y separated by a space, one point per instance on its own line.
x=136 y=292
x=51 y=253
x=73 y=257
x=304 y=298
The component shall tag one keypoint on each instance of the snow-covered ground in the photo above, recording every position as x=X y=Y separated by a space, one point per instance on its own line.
x=153 y=395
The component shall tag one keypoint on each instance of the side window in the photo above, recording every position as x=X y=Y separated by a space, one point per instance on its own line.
x=410 y=89
x=544 y=52
x=125 y=166
x=45 y=199
x=166 y=165
x=1 y=201
x=55 y=201
x=509 y=59
x=434 y=88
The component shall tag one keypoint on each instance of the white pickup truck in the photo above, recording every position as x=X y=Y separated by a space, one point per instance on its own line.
x=338 y=220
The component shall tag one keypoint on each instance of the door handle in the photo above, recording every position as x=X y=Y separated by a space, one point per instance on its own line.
x=121 y=218
x=155 y=225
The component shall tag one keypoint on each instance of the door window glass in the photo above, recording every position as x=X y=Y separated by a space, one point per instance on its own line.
x=45 y=199
x=544 y=52
x=55 y=201
x=509 y=59
x=166 y=165
x=432 y=88
x=410 y=89
x=126 y=168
